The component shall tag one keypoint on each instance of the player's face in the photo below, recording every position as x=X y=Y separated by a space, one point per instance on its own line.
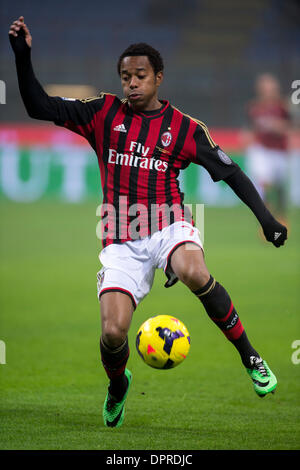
x=267 y=87
x=139 y=83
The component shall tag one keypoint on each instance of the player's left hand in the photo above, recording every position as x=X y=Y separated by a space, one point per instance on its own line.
x=275 y=232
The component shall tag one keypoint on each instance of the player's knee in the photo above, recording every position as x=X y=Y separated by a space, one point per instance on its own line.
x=113 y=334
x=192 y=275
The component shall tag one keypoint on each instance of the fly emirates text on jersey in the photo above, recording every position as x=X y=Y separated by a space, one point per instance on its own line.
x=132 y=159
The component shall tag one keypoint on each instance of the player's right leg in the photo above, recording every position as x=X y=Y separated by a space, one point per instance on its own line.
x=116 y=313
x=124 y=280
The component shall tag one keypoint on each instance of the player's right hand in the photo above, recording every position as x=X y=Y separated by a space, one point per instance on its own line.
x=19 y=36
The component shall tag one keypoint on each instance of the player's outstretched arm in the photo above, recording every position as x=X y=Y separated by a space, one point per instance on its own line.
x=76 y=115
x=243 y=187
x=220 y=167
x=37 y=103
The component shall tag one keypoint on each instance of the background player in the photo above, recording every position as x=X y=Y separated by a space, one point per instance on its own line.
x=268 y=153
x=121 y=286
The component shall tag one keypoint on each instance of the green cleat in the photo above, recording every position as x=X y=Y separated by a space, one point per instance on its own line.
x=113 y=411
x=264 y=381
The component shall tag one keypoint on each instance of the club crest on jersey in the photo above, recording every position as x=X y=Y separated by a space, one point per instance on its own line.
x=166 y=139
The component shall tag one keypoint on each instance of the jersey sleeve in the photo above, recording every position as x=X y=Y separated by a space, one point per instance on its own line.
x=206 y=153
x=79 y=116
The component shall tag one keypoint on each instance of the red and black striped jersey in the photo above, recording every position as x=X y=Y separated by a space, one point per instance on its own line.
x=261 y=114
x=140 y=155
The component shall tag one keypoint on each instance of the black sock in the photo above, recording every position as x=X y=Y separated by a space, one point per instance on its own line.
x=220 y=309
x=114 y=362
x=118 y=387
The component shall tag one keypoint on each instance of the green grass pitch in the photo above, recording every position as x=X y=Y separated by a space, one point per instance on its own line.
x=53 y=385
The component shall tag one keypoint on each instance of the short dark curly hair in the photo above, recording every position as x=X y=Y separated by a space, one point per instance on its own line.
x=142 y=48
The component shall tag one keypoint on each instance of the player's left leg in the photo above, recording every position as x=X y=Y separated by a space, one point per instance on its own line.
x=190 y=268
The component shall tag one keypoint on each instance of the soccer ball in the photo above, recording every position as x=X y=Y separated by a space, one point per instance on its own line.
x=163 y=342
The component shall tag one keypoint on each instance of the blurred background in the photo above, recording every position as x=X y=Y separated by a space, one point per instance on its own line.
x=213 y=52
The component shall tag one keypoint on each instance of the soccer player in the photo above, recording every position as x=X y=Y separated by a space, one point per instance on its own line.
x=142 y=142
x=268 y=154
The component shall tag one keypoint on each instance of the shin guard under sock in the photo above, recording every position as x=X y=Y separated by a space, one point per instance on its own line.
x=220 y=309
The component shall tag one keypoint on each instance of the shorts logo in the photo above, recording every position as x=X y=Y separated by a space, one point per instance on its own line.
x=225 y=159
x=166 y=139
x=100 y=279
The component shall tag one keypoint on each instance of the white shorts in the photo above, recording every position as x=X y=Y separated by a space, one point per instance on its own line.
x=267 y=166
x=130 y=267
